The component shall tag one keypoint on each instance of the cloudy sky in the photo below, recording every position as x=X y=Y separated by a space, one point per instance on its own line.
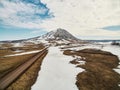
x=86 y=19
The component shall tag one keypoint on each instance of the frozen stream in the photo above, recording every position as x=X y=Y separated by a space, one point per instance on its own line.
x=56 y=72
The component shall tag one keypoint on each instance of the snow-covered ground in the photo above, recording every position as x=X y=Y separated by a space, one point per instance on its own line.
x=105 y=47
x=110 y=48
x=56 y=72
x=80 y=47
x=114 y=50
x=30 y=52
x=18 y=44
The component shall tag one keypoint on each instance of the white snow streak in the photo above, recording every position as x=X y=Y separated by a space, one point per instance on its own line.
x=18 y=44
x=36 y=51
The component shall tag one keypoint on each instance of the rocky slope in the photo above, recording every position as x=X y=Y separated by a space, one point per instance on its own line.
x=58 y=36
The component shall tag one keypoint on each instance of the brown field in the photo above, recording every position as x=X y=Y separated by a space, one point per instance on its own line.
x=7 y=49
x=7 y=64
x=99 y=73
x=5 y=52
x=25 y=81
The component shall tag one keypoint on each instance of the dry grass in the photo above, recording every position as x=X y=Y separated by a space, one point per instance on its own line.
x=99 y=73
x=92 y=55
x=9 y=49
x=98 y=77
x=74 y=62
x=25 y=81
x=6 y=45
x=4 y=52
x=7 y=64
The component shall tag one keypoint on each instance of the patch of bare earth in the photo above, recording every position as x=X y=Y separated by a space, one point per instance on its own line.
x=99 y=73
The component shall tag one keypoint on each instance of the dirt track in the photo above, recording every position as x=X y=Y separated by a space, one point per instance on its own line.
x=12 y=76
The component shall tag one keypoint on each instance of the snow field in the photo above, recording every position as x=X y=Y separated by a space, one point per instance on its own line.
x=56 y=72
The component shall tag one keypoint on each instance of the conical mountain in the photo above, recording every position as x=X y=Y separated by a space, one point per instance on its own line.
x=59 y=34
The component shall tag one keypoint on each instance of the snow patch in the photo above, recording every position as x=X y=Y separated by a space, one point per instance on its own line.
x=84 y=46
x=18 y=51
x=18 y=45
x=117 y=70
x=81 y=62
x=79 y=59
x=36 y=51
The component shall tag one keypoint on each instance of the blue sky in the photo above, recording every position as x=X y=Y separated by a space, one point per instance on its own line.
x=10 y=32
x=115 y=28
x=85 y=19
x=15 y=33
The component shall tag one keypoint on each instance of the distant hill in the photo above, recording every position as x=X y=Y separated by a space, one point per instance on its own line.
x=59 y=36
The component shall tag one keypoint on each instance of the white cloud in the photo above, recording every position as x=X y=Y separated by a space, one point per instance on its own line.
x=20 y=14
x=84 y=17
x=80 y=17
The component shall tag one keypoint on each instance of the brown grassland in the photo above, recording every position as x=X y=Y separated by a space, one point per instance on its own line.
x=26 y=80
x=7 y=64
x=6 y=49
x=99 y=73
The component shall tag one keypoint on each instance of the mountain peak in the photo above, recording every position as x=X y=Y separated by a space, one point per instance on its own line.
x=60 y=29
x=59 y=34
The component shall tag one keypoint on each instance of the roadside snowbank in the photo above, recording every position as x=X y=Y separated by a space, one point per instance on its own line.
x=56 y=72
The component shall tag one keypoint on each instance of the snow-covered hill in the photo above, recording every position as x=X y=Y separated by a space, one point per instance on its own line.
x=57 y=36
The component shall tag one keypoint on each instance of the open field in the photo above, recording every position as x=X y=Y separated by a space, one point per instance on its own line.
x=26 y=80
x=8 y=48
x=99 y=73
x=8 y=64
